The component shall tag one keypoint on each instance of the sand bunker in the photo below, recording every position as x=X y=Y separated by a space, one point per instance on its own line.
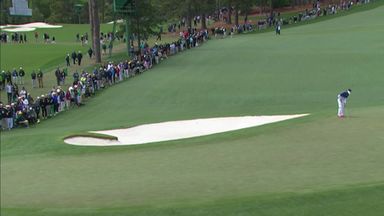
x=34 y=25
x=174 y=130
x=21 y=29
x=117 y=21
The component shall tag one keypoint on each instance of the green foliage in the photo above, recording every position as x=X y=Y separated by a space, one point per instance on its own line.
x=145 y=19
x=63 y=11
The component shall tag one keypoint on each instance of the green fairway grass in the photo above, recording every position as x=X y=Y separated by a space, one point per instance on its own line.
x=315 y=165
x=34 y=55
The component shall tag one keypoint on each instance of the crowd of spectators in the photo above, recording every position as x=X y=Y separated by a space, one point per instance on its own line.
x=23 y=110
x=17 y=37
x=14 y=37
x=274 y=19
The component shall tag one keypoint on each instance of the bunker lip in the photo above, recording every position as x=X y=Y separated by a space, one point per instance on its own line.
x=175 y=130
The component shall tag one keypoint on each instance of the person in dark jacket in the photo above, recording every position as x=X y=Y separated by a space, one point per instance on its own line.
x=21 y=76
x=90 y=52
x=79 y=57
x=74 y=57
x=58 y=76
x=43 y=106
x=33 y=77
x=67 y=60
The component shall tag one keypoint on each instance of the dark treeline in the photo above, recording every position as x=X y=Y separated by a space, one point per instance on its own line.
x=57 y=11
x=76 y=11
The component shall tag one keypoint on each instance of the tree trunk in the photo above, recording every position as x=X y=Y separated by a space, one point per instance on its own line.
x=138 y=26
x=229 y=11
x=189 y=14
x=95 y=23
x=203 y=21
x=90 y=22
x=138 y=34
x=237 y=15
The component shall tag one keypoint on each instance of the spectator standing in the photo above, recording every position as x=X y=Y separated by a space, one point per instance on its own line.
x=104 y=47
x=74 y=57
x=40 y=78
x=2 y=80
x=55 y=103
x=67 y=60
x=75 y=77
x=64 y=74
x=9 y=116
x=79 y=57
x=68 y=98
x=21 y=76
x=8 y=89
x=58 y=76
x=43 y=105
x=23 y=93
x=3 y=122
x=33 y=76
x=8 y=77
x=36 y=36
x=90 y=52
x=278 y=28
x=15 y=75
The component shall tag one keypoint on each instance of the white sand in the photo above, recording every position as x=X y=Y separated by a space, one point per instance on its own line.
x=90 y=141
x=175 y=130
x=21 y=29
x=117 y=21
x=35 y=25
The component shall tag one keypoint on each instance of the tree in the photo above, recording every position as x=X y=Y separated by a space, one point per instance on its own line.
x=229 y=11
x=62 y=11
x=145 y=19
x=95 y=26
x=4 y=12
x=204 y=7
x=246 y=7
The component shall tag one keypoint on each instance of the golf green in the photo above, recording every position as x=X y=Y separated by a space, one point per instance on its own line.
x=315 y=165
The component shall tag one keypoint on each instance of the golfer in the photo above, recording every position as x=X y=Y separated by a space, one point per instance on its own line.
x=341 y=101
